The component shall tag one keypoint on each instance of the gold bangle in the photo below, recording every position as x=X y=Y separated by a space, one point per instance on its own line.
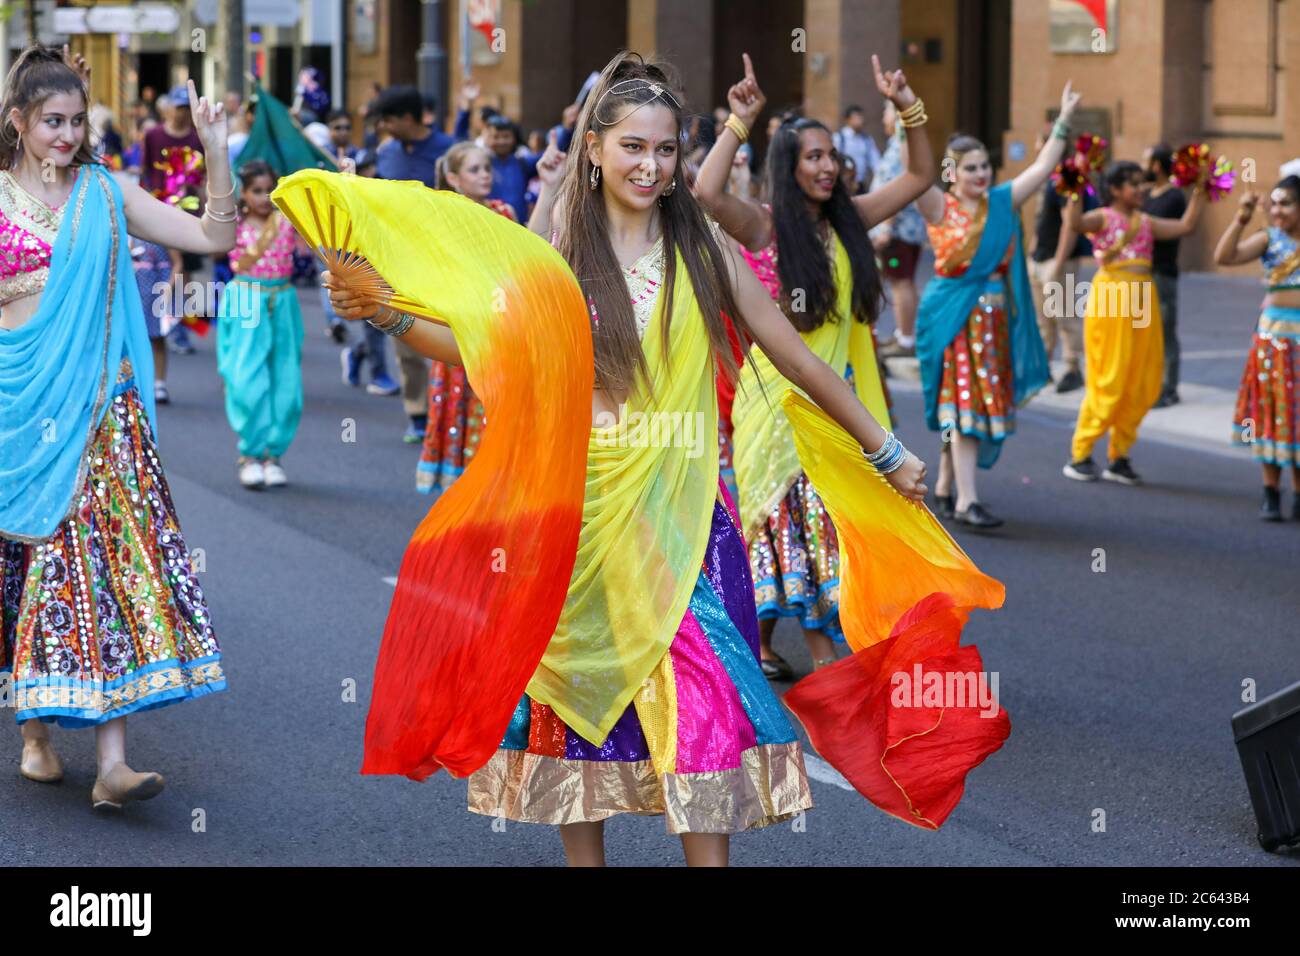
x=223 y=195
x=737 y=126
x=914 y=115
x=915 y=109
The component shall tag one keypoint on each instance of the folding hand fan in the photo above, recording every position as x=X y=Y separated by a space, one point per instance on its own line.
x=485 y=575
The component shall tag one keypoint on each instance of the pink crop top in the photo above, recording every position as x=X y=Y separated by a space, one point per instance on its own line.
x=28 y=228
x=1139 y=246
x=277 y=261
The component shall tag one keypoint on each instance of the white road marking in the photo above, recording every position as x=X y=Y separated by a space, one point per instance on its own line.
x=819 y=769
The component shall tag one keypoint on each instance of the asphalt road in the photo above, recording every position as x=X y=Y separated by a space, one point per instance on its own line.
x=1120 y=684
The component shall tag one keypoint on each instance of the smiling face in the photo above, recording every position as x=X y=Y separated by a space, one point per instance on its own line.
x=1284 y=209
x=56 y=130
x=974 y=174
x=637 y=156
x=474 y=178
x=818 y=164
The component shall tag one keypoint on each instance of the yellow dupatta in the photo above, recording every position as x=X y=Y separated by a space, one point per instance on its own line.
x=767 y=464
x=651 y=483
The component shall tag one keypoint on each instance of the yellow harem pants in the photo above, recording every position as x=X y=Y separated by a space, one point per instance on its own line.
x=1123 y=358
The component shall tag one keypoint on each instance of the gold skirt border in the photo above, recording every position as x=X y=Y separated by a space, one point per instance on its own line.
x=769 y=786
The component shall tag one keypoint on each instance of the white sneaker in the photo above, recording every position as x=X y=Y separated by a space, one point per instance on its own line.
x=274 y=474
x=251 y=474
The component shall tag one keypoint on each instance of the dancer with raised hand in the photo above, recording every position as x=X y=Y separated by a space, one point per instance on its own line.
x=102 y=614
x=826 y=283
x=1123 y=339
x=978 y=343
x=455 y=413
x=1267 y=416
x=646 y=695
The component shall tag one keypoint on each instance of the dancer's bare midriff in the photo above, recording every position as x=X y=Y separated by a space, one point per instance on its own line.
x=18 y=312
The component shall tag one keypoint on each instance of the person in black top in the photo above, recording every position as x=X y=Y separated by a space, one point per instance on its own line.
x=1166 y=200
x=1057 y=252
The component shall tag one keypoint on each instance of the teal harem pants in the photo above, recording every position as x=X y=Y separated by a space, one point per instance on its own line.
x=259 y=354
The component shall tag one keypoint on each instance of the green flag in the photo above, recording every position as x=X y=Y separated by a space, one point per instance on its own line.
x=277 y=138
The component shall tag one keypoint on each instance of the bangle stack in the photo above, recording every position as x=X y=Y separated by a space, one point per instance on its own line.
x=737 y=126
x=1061 y=129
x=399 y=324
x=914 y=115
x=889 y=457
x=216 y=216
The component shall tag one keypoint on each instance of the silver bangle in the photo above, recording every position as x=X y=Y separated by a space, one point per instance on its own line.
x=399 y=326
x=217 y=216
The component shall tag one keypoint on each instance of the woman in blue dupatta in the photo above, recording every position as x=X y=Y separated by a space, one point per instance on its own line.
x=102 y=614
x=977 y=336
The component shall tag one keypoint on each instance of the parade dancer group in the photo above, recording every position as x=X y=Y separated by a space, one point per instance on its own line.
x=649 y=692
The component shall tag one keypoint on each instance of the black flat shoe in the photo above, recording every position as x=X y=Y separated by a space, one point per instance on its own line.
x=977 y=516
x=943 y=504
x=1271 y=507
x=776 y=668
x=1070 y=381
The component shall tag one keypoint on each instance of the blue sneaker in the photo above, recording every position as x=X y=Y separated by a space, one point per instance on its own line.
x=351 y=361
x=383 y=385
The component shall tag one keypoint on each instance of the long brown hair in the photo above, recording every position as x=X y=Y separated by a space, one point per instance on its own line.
x=584 y=239
x=37 y=74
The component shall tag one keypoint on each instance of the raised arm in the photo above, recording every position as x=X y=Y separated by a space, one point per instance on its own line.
x=744 y=220
x=1231 y=251
x=1032 y=178
x=918 y=178
x=794 y=360
x=214 y=231
x=550 y=169
x=1177 y=228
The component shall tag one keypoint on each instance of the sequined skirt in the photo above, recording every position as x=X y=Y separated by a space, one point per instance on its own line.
x=737 y=762
x=1267 y=416
x=977 y=389
x=107 y=617
x=795 y=561
x=452 y=435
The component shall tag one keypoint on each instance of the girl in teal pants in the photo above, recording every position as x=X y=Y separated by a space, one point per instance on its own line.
x=259 y=343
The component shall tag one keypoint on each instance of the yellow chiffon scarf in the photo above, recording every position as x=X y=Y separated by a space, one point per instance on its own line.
x=652 y=480
x=766 y=461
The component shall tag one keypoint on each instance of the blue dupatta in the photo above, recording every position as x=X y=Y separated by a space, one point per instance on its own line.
x=57 y=371
x=946 y=304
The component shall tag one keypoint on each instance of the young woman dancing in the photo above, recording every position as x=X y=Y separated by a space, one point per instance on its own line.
x=1123 y=340
x=977 y=337
x=103 y=615
x=826 y=283
x=1268 y=402
x=645 y=702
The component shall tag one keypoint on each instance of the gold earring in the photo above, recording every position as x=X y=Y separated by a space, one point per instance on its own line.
x=594 y=178
x=671 y=186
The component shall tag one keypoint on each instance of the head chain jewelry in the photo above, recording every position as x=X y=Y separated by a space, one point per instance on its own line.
x=625 y=87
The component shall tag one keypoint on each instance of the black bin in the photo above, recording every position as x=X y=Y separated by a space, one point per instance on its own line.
x=1268 y=740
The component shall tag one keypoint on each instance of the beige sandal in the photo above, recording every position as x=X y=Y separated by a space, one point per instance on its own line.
x=40 y=762
x=122 y=785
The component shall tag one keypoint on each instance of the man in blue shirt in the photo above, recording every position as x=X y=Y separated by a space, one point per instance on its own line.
x=414 y=150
